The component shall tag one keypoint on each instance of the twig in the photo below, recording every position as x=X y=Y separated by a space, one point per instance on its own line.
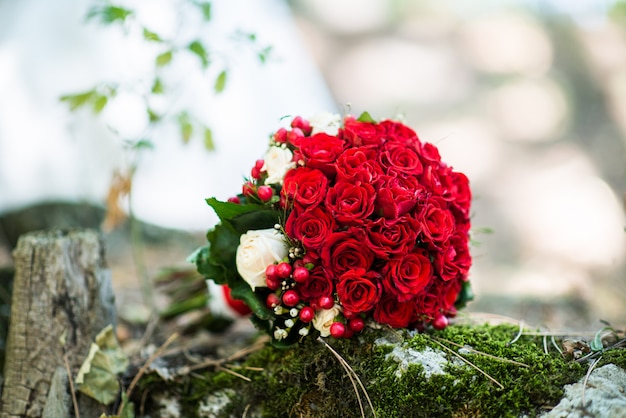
x=519 y=334
x=72 y=390
x=352 y=375
x=143 y=369
x=589 y=370
x=470 y=363
x=245 y=411
x=506 y=360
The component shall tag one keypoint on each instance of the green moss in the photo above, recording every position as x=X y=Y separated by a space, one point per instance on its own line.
x=308 y=381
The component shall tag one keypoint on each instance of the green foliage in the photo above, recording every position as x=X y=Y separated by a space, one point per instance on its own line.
x=98 y=97
x=366 y=117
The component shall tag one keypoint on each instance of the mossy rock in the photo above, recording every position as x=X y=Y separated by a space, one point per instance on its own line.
x=405 y=375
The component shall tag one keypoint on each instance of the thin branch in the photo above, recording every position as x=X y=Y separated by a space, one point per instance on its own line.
x=144 y=368
x=234 y=373
x=72 y=390
x=470 y=363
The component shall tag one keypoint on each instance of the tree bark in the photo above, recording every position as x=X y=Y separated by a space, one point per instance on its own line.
x=62 y=298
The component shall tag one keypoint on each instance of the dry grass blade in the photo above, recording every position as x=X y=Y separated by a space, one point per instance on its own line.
x=143 y=369
x=545 y=344
x=471 y=350
x=234 y=373
x=556 y=345
x=591 y=367
x=352 y=375
x=519 y=334
x=469 y=362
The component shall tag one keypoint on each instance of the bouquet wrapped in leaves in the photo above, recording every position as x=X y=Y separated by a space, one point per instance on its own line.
x=345 y=223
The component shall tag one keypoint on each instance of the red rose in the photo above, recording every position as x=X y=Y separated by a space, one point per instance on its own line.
x=388 y=237
x=461 y=193
x=318 y=284
x=350 y=202
x=392 y=312
x=437 y=222
x=358 y=291
x=429 y=154
x=397 y=195
x=362 y=134
x=321 y=151
x=453 y=260
x=311 y=227
x=358 y=164
x=344 y=251
x=398 y=132
x=407 y=275
x=401 y=158
x=305 y=186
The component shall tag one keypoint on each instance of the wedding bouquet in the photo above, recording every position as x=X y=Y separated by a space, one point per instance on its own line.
x=344 y=224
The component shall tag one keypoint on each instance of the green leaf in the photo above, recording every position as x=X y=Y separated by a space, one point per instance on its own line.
x=198 y=48
x=164 y=58
x=151 y=36
x=205 y=6
x=242 y=290
x=465 y=295
x=97 y=377
x=264 y=54
x=153 y=116
x=208 y=139
x=80 y=99
x=259 y=219
x=157 y=86
x=187 y=305
x=366 y=117
x=143 y=144
x=220 y=82
x=110 y=14
x=99 y=103
x=226 y=211
x=186 y=128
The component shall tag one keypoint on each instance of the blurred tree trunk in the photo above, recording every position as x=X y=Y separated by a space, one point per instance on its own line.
x=62 y=298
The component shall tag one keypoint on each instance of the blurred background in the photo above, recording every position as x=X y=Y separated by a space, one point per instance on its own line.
x=528 y=98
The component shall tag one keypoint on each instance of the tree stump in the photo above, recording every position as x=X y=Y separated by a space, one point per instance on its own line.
x=62 y=298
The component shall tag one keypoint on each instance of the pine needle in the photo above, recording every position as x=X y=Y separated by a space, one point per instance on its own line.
x=352 y=375
x=519 y=334
x=72 y=390
x=471 y=350
x=470 y=363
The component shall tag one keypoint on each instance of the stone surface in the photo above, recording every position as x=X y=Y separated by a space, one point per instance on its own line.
x=604 y=396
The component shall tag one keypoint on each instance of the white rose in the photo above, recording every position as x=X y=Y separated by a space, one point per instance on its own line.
x=324 y=318
x=257 y=250
x=277 y=163
x=326 y=123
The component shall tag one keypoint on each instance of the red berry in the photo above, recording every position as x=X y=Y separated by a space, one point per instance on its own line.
x=298 y=263
x=337 y=330
x=271 y=271
x=440 y=322
x=294 y=136
x=259 y=164
x=356 y=324
x=307 y=314
x=281 y=136
x=452 y=312
x=309 y=258
x=272 y=301
x=291 y=298
x=283 y=270
x=302 y=124
x=348 y=314
x=348 y=333
x=326 y=302
x=301 y=274
x=234 y=199
x=255 y=173
x=265 y=193
x=248 y=189
x=272 y=283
